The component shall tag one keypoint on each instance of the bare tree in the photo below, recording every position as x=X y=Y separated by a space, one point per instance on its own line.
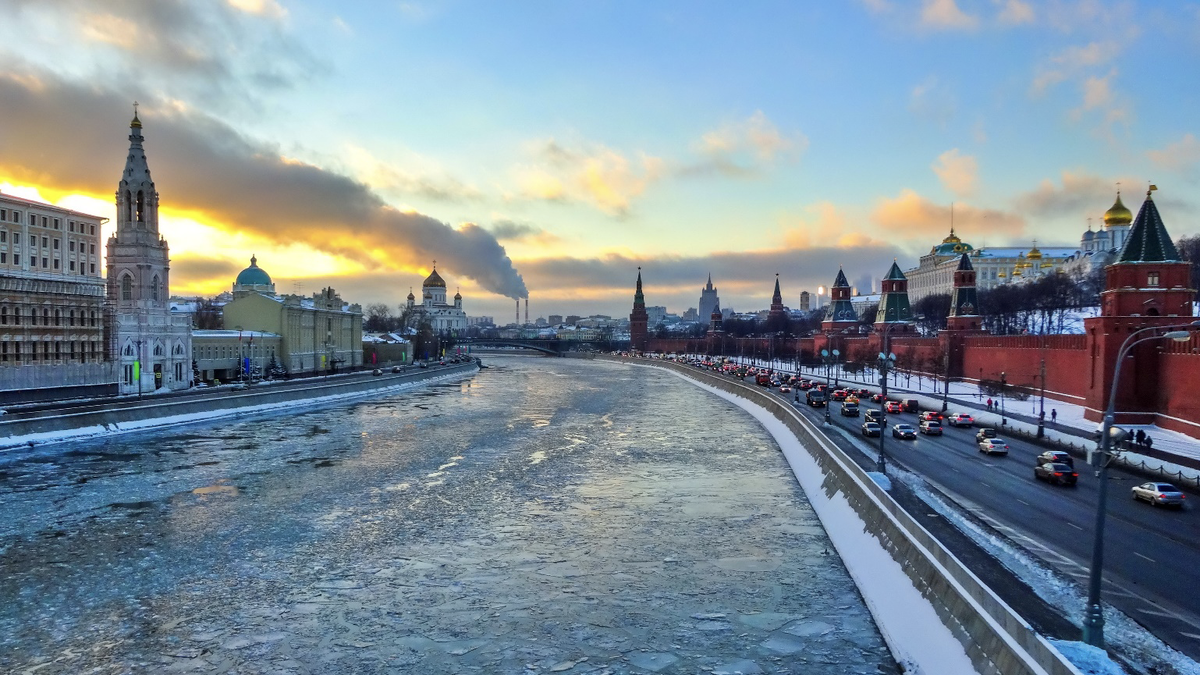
x=208 y=315
x=378 y=318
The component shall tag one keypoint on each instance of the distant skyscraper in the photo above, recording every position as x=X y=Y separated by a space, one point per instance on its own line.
x=708 y=300
x=805 y=301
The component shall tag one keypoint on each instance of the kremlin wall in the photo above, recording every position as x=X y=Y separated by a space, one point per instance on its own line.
x=1147 y=285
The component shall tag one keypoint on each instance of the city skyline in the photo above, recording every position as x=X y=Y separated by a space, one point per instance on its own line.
x=555 y=148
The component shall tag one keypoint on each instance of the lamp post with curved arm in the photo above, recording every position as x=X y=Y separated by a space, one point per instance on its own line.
x=1093 y=621
x=886 y=360
x=828 y=358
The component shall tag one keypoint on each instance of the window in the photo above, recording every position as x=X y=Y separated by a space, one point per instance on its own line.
x=16 y=258
x=93 y=319
x=91 y=248
x=3 y=236
x=56 y=224
x=3 y=316
x=58 y=317
x=45 y=223
x=45 y=316
x=45 y=242
x=70 y=226
x=33 y=221
x=32 y=316
x=45 y=263
x=128 y=350
x=72 y=317
x=56 y=242
x=154 y=288
x=3 y=257
x=126 y=287
x=1152 y=279
x=93 y=268
x=33 y=351
x=16 y=238
x=158 y=350
x=16 y=217
x=16 y=316
x=57 y=350
x=57 y=264
x=129 y=374
x=72 y=265
x=3 y=215
x=93 y=231
x=71 y=246
x=3 y=351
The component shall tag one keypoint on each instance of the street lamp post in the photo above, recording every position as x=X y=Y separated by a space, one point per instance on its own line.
x=1042 y=410
x=1093 y=621
x=828 y=359
x=1003 y=386
x=946 y=384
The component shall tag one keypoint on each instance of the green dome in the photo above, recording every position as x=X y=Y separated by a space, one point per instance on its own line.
x=253 y=275
x=952 y=245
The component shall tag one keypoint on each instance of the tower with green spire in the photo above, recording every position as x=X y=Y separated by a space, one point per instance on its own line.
x=894 y=307
x=639 y=320
x=841 y=314
x=964 y=301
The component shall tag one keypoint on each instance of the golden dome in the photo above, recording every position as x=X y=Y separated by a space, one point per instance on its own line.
x=1047 y=264
x=1002 y=274
x=952 y=239
x=1034 y=253
x=1017 y=270
x=1118 y=214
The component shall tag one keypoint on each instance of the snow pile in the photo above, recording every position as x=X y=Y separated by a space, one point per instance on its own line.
x=1091 y=660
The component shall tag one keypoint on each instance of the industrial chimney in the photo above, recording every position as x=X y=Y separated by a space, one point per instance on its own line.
x=527 y=310
x=517 y=320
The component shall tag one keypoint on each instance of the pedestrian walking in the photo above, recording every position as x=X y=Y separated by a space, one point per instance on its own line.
x=1140 y=437
x=989 y=404
x=1149 y=443
x=1053 y=415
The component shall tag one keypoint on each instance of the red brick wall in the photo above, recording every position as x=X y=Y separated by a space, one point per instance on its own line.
x=1019 y=357
x=1179 y=387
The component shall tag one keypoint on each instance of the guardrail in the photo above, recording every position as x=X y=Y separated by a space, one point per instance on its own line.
x=996 y=638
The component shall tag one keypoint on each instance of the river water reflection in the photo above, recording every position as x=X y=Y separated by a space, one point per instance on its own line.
x=545 y=515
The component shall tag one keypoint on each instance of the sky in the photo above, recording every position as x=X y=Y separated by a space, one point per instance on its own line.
x=551 y=148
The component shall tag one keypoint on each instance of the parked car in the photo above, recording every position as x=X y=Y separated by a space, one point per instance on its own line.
x=1159 y=494
x=871 y=429
x=893 y=406
x=930 y=416
x=1055 y=457
x=931 y=428
x=904 y=431
x=993 y=446
x=849 y=410
x=1057 y=474
x=960 y=420
x=985 y=433
x=877 y=416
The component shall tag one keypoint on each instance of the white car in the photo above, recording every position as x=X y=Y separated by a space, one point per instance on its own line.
x=1159 y=494
x=960 y=420
x=993 y=446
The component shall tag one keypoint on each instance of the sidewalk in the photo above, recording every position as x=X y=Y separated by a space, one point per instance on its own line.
x=1070 y=426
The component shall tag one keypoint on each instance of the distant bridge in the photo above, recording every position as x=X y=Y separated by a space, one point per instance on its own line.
x=554 y=347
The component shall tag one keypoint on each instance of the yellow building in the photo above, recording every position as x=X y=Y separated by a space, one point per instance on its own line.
x=317 y=335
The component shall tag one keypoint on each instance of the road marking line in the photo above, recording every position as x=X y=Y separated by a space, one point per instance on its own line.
x=1191 y=635
x=1146 y=557
x=1024 y=502
x=1156 y=612
x=1075 y=526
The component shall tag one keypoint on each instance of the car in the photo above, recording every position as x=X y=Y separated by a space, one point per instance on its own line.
x=903 y=431
x=1159 y=494
x=931 y=428
x=849 y=410
x=442 y=362
x=876 y=416
x=1057 y=474
x=930 y=416
x=424 y=364
x=993 y=446
x=816 y=398
x=839 y=395
x=785 y=389
x=985 y=433
x=396 y=369
x=806 y=385
x=1055 y=457
x=876 y=398
x=912 y=405
x=863 y=392
x=893 y=406
x=960 y=420
x=871 y=429
x=377 y=372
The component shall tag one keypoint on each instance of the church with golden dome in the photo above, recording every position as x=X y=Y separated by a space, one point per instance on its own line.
x=1100 y=248
x=441 y=315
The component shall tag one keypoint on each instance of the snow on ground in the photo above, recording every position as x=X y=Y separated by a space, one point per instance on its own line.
x=188 y=418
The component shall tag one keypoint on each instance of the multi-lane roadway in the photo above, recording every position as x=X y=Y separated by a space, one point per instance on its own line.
x=1152 y=556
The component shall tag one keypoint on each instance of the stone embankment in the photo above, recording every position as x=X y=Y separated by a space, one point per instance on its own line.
x=120 y=415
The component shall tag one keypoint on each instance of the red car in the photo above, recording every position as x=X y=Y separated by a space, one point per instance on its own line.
x=930 y=416
x=839 y=395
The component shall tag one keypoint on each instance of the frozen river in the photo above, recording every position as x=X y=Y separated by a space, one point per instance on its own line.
x=543 y=516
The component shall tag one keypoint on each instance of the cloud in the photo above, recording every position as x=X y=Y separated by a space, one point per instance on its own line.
x=217 y=51
x=203 y=166
x=1015 y=12
x=933 y=102
x=821 y=219
x=400 y=184
x=1178 y=156
x=910 y=215
x=194 y=271
x=1080 y=195
x=745 y=147
x=946 y=15
x=509 y=230
x=590 y=173
x=957 y=172
x=1071 y=63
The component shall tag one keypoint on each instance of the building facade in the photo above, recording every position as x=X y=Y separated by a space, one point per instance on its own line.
x=318 y=335
x=994 y=266
x=231 y=355
x=434 y=309
x=52 y=304
x=152 y=344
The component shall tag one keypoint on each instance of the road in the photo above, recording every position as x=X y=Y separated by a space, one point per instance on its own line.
x=1150 y=554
